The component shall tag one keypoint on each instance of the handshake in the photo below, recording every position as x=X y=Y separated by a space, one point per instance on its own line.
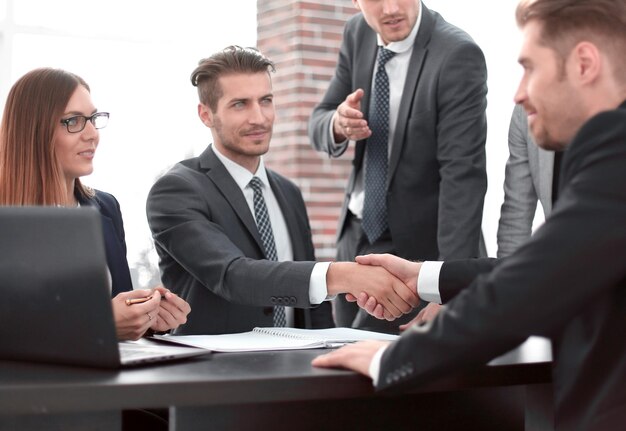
x=382 y=284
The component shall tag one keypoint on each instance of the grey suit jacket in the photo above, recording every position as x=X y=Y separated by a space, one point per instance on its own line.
x=568 y=283
x=437 y=178
x=212 y=256
x=528 y=178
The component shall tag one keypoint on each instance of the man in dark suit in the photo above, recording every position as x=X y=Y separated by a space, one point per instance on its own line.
x=568 y=282
x=432 y=181
x=233 y=237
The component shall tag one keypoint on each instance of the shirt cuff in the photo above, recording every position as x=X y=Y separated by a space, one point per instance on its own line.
x=428 y=282
x=318 y=291
x=374 y=368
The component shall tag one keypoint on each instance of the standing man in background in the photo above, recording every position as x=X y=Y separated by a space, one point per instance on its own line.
x=528 y=179
x=410 y=90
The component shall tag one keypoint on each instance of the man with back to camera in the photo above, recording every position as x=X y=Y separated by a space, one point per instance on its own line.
x=410 y=90
x=233 y=237
x=568 y=282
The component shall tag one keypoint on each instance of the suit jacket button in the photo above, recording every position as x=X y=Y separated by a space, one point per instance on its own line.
x=292 y=300
x=273 y=300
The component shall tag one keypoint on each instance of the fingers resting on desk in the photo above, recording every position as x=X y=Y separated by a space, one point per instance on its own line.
x=356 y=357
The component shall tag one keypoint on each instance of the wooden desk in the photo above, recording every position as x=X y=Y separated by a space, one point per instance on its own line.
x=268 y=390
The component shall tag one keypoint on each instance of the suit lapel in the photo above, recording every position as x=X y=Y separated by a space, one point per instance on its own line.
x=116 y=258
x=227 y=186
x=408 y=95
x=364 y=64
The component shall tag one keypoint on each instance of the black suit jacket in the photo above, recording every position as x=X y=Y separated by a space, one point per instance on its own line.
x=567 y=283
x=437 y=178
x=212 y=256
x=114 y=239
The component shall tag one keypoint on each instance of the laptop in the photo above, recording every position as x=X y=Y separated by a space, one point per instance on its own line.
x=56 y=300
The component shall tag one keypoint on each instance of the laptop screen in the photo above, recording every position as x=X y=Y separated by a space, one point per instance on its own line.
x=56 y=304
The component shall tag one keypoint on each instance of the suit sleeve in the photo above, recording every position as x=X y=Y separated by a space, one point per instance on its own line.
x=520 y=198
x=340 y=87
x=575 y=259
x=457 y=275
x=461 y=135
x=183 y=227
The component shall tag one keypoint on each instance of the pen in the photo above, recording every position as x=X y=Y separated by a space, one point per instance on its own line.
x=138 y=300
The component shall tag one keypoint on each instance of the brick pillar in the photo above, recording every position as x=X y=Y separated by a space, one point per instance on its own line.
x=302 y=38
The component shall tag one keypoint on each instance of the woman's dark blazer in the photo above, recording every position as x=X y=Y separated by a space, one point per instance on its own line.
x=114 y=242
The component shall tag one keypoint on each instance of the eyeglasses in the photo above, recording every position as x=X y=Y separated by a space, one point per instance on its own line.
x=77 y=123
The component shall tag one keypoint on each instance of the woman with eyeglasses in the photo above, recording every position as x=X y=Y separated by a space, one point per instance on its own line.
x=48 y=139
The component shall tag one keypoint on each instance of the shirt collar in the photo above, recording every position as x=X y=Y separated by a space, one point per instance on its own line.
x=241 y=175
x=407 y=43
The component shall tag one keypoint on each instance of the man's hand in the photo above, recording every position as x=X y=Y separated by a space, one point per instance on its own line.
x=403 y=269
x=391 y=293
x=348 y=121
x=427 y=314
x=367 y=303
x=173 y=311
x=356 y=357
x=133 y=320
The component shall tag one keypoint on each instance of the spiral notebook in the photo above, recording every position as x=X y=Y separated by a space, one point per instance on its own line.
x=260 y=339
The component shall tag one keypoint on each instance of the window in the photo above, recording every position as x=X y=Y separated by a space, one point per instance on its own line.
x=136 y=56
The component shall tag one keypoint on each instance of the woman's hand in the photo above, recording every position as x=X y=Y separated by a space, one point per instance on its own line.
x=173 y=311
x=132 y=320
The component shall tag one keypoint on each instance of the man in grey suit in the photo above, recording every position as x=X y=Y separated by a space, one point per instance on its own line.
x=528 y=178
x=568 y=282
x=426 y=198
x=233 y=237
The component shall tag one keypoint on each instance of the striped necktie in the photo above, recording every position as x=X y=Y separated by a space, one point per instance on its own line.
x=267 y=237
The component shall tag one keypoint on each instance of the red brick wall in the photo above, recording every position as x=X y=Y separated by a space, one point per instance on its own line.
x=303 y=38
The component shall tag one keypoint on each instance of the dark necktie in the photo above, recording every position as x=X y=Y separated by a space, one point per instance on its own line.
x=375 y=185
x=267 y=237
